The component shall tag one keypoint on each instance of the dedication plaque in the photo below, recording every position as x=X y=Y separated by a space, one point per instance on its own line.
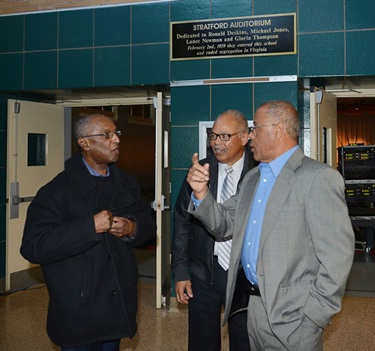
x=233 y=37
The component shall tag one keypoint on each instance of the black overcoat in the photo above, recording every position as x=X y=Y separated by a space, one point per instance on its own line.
x=91 y=278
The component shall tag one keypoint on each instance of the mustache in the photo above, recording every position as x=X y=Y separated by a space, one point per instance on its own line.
x=219 y=148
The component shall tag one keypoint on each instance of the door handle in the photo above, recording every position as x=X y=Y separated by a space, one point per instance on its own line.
x=161 y=205
x=15 y=200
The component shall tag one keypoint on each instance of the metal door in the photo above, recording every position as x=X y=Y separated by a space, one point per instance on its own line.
x=161 y=203
x=35 y=155
x=162 y=200
x=323 y=127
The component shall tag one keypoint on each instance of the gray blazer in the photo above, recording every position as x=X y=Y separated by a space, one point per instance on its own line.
x=307 y=242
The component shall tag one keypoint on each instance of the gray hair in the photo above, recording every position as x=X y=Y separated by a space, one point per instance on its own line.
x=82 y=125
x=240 y=118
x=285 y=113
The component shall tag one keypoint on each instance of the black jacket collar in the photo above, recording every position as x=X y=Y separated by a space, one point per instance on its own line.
x=80 y=177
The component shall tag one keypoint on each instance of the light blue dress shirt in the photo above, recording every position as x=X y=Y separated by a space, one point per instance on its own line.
x=268 y=175
x=93 y=172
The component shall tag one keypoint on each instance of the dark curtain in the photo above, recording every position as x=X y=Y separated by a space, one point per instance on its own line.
x=356 y=125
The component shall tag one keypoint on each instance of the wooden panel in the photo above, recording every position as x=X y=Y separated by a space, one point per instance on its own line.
x=22 y=6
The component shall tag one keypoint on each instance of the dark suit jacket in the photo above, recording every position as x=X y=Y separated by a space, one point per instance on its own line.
x=192 y=244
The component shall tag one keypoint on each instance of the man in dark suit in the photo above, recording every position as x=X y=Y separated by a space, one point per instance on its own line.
x=200 y=280
x=80 y=228
x=292 y=236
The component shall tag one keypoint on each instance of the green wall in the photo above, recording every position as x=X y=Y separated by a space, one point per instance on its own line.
x=129 y=46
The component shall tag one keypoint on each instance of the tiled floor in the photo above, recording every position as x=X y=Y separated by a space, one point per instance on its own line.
x=23 y=316
x=361 y=281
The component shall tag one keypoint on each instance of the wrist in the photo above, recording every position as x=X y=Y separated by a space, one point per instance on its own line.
x=201 y=194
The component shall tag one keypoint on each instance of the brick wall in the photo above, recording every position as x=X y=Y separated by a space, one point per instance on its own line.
x=22 y=6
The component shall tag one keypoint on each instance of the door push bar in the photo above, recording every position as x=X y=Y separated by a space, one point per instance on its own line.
x=156 y=206
x=15 y=200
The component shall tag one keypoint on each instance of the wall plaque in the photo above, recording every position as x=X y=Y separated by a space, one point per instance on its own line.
x=233 y=37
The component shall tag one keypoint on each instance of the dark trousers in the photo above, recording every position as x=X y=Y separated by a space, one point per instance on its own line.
x=205 y=316
x=98 y=346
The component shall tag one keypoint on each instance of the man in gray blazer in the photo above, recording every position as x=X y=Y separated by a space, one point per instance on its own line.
x=293 y=242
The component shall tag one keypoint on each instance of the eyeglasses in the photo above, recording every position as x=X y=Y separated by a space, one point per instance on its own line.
x=254 y=128
x=223 y=137
x=107 y=135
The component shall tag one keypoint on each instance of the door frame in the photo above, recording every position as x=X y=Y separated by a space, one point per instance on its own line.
x=161 y=294
x=323 y=126
x=162 y=200
x=342 y=93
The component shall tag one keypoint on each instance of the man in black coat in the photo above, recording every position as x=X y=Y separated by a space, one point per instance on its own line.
x=200 y=281
x=80 y=228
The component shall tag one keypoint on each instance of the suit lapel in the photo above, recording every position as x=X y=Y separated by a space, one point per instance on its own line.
x=279 y=195
x=214 y=171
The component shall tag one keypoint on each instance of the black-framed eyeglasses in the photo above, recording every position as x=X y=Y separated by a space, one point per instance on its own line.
x=253 y=129
x=223 y=136
x=107 y=135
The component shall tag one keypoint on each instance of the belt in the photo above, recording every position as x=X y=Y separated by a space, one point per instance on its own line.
x=241 y=294
x=253 y=290
x=243 y=284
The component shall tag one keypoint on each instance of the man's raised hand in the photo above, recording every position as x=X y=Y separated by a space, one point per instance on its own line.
x=198 y=177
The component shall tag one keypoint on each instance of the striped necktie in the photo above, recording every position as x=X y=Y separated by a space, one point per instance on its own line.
x=224 y=247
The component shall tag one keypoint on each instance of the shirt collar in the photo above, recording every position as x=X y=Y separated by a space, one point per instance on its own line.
x=93 y=172
x=237 y=167
x=278 y=163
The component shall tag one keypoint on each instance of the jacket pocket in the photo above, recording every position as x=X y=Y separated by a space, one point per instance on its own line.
x=288 y=313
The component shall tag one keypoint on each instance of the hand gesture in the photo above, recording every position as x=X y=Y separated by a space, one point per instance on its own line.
x=198 y=177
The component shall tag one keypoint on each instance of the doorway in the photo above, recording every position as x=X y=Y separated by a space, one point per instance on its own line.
x=137 y=157
x=145 y=120
x=355 y=135
x=355 y=121
x=353 y=114
x=145 y=123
